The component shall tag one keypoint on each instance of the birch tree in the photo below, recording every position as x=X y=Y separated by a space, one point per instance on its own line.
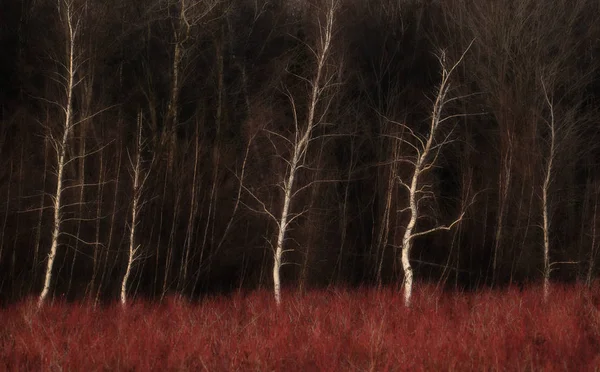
x=561 y=130
x=426 y=152
x=139 y=179
x=74 y=72
x=302 y=135
x=67 y=79
x=545 y=188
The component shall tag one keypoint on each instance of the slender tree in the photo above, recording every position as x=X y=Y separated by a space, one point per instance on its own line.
x=545 y=189
x=302 y=135
x=67 y=13
x=427 y=149
x=139 y=177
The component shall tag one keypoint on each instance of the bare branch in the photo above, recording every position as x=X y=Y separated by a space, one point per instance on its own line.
x=438 y=228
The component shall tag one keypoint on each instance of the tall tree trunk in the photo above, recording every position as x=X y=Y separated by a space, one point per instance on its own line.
x=426 y=156
x=138 y=183
x=61 y=147
x=300 y=146
x=545 y=188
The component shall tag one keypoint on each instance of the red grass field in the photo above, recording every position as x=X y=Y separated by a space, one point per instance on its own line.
x=353 y=330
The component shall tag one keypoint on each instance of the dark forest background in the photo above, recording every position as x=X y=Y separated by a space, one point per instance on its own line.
x=238 y=63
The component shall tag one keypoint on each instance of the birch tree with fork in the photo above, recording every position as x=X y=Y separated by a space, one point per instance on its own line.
x=139 y=177
x=70 y=75
x=67 y=79
x=301 y=137
x=426 y=149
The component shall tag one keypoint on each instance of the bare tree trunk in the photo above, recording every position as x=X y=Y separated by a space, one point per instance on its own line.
x=407 y=239
x=138 y=184
x=300 y=145
x=426 y=156
x=545 y=188
x=61 y=146
x=301 y=135
x=283 y=221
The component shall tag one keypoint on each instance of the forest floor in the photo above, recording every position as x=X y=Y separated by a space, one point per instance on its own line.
x=328 y=330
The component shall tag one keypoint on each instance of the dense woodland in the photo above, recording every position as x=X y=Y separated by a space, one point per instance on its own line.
x=154 y=140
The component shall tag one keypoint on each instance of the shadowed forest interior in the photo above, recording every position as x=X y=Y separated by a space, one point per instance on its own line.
x=165 y=140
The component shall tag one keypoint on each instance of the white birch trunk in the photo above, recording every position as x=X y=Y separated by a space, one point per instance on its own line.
x=545 y=188
x=408 y=238
x=137 y=188
x=300 y=145
x=61 y=147
x=283 y=221
x=426 y=158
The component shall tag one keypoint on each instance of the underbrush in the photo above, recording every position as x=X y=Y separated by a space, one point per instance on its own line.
x=339 y=330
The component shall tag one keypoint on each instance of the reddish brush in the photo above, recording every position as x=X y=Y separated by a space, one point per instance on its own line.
x=338 y=330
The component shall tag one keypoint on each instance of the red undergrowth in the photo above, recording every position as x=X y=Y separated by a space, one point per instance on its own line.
x=339 y=330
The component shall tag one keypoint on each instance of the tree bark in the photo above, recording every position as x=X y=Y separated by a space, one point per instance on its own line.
x=61 y=148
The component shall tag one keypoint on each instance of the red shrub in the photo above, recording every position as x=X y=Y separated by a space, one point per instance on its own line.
x=322 y=330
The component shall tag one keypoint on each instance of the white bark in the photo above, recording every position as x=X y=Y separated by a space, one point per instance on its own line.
x=138 y=183
x=545 y=188
x=283 y=221
x=300 y=144
x=426 y=155
x=61 y=147
x=408 y=238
